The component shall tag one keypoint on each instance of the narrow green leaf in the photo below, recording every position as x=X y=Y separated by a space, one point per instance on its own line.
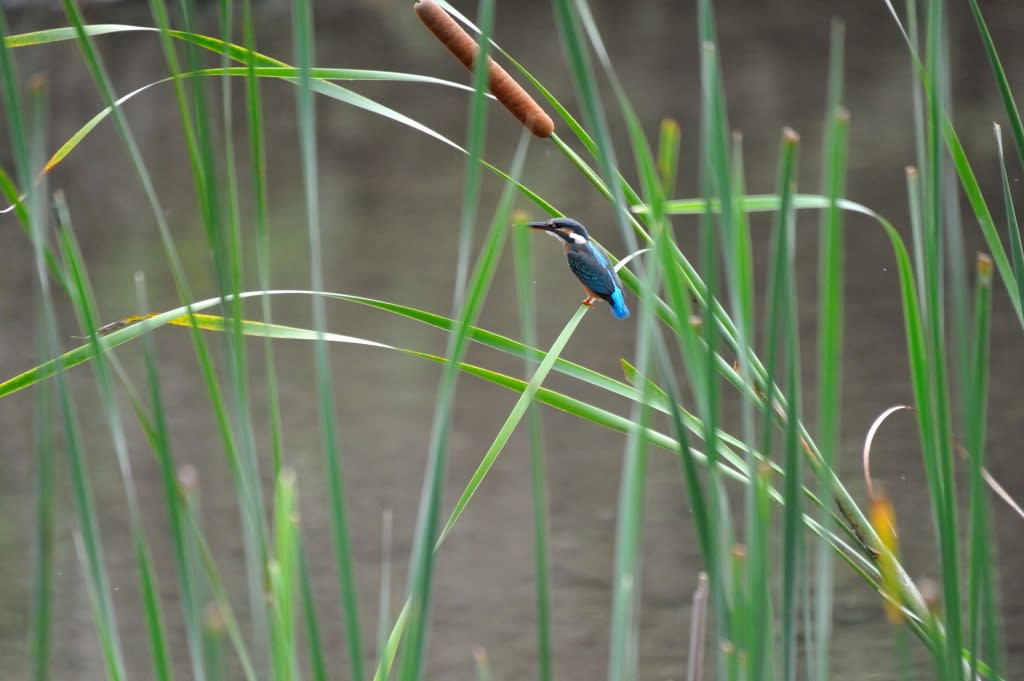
x=317 y=661
x=522 y=242
x=427 y=532
x=85 y=307
x=257 y=155
x=968 y=181
x=513 y=419
x=384 y=602
x=1013 y=226
x=302 y=28
x=284 y=578
x=43 y=534
x=830 y=343
x=668 y=155
x=218 y=618
x=793 y=568
x=983 y=618
x=1009 y=104
x=176 y=510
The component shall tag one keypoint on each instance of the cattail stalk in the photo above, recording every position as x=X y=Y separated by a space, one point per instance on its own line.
x=504 y=87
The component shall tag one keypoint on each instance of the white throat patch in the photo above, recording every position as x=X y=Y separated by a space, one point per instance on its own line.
x=577 y=238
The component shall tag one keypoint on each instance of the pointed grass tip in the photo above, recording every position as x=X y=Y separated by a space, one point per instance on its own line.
x=984 y=268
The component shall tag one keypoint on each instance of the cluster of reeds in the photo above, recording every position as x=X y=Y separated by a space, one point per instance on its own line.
x=696 y=311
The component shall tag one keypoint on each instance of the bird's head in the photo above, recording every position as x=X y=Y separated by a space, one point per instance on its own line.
x=564 y=229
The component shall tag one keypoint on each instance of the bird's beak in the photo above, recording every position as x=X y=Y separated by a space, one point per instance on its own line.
x=546 y=226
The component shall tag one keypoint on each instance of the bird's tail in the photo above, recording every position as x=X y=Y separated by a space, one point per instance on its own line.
x=618 y=305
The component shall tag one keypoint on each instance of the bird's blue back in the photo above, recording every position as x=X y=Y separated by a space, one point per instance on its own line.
x=615 y=299
x=592 y=268
x=598 y=254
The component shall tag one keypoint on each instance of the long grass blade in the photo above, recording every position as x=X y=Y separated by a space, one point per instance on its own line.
x=176 y=511
x=624 y=643
x=567 y=17
x=467 y=302
x=42 y=535
x=830 y=342
x=1013 y=226
x=219 y=622
x=303 y=36
x=529 y=391
x=476 y=292
x=384 y=601
x=983 y=618
x=1009 y=103
x=968 y=180
x=522 y=241
x=482 y=279
x=283 y=579
x=687 y=339
x=317 y=659
x=85 y=307
x=712 y=177
x=551 y=398
x=934 y=415
x=251 y=519
x=257 y=154
x=793 y=568
x=125 y=332
x=88 y=541
x=43 y=564
x=223 y=238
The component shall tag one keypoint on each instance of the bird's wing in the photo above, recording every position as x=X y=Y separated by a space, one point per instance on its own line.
x=593 y=274
x=598 y=254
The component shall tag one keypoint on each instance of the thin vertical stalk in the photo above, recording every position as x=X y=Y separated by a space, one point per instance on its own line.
x=937 y=418
x=467 y=302
x=257 y=156
x=830 y=344
x=42 y=535
x=302 y=22
x=983 y=619
x=522 y=243
x=176 y=510
x=41 y=642
x=85 y=307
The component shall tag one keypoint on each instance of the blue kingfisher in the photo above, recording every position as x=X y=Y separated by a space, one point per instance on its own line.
x=588 y=263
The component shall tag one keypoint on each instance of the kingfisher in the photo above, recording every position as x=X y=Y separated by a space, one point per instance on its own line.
x=588 y=263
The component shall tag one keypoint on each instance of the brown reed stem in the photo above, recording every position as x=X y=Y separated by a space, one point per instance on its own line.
x=504 y=87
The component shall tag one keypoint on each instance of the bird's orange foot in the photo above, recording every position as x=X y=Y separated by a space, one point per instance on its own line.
x=588 y=301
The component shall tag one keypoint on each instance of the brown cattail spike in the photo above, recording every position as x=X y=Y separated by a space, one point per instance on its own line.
x=511 y=95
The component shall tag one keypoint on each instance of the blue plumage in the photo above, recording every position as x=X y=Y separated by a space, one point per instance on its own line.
x=618 y=303
x=588 y=263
